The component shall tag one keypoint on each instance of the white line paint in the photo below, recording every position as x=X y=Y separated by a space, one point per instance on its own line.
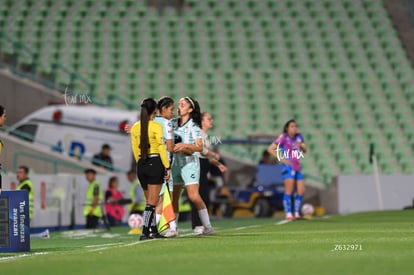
x=245 y=227
x=100 y=245
x=10 y=258
x=283 y=222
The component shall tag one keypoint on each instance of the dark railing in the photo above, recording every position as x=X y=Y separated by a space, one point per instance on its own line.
x=23 y=61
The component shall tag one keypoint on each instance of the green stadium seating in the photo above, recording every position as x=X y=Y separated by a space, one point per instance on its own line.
x=338 y=67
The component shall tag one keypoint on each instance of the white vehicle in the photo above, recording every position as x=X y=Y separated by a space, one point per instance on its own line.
x=80 y=131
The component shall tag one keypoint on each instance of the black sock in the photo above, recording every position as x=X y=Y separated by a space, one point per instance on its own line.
x=148 y=216
x=153 y=228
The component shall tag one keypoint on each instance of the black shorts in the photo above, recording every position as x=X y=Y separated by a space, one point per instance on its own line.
x=150 y=171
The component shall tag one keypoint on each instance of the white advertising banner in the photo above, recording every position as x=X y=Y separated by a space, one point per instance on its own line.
x=59 y=200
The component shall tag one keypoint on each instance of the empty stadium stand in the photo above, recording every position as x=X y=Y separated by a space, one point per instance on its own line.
x=336 y=66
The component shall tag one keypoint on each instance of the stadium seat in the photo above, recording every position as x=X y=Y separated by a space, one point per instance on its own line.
x=330 y=64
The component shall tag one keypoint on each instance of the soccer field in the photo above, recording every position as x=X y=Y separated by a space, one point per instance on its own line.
x=366 y=243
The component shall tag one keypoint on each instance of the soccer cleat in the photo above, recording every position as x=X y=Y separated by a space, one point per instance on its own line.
x=157 y=236
x=298 y=217
x=171 y=234
x=198 y=230
x=289 y=218
x=208 y=231
x=144 y=237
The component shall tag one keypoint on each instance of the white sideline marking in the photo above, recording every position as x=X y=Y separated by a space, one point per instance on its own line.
x=283 y=222
x=99 y=245
x=22 y=256
x=245 y=227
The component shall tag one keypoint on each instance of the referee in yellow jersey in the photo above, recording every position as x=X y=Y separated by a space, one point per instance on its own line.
x=153 y=166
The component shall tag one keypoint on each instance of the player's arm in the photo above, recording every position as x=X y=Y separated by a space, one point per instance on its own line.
x=170 y=145
x=220 y=166
x=168 y=135
x=302 y=146
x=135 y=142
x=300 y=142
x=275 y=151
x=95 y=200
x=210 y=154
x=272 y=150
x=189 y=149
x=162 y=149
x=214 y=159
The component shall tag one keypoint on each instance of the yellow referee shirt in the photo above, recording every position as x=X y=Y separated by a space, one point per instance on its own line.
x=155 y=140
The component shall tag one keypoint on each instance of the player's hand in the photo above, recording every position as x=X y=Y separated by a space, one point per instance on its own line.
x=222 y=168
x=167 y=174
x=179 y=148
x=285 y=161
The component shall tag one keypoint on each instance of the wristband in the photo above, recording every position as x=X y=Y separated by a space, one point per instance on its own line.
x=205 y=151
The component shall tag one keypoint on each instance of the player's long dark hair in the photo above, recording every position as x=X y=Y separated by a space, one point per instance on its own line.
x=196 y=113
x=164 y=102
x=148 y=107
x=2 y=110
x=287 y=125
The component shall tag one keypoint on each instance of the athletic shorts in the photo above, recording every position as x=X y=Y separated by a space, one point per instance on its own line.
x=150 y=171
x=188 y=174
x=289 y=173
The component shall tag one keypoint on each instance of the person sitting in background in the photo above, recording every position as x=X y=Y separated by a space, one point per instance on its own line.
x=266 y=158
x=113 y=209
x=103 y=159
x=138 y=201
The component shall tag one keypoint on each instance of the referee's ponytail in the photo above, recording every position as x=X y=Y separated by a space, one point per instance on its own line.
x=148 y=107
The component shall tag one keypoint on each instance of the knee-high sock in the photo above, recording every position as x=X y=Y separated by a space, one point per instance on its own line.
x=173 y=225
x=287 y=204
x=148 y=216
x=205 y=219
x=298 y=203
x=154 y=224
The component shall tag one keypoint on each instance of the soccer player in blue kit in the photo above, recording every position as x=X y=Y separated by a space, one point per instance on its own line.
x=289 y=148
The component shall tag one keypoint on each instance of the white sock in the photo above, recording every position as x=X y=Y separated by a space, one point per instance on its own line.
x=173 y=225
x=205 y=219
x=157 y=218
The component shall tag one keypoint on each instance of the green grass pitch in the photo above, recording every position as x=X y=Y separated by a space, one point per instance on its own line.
x=364 y=243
